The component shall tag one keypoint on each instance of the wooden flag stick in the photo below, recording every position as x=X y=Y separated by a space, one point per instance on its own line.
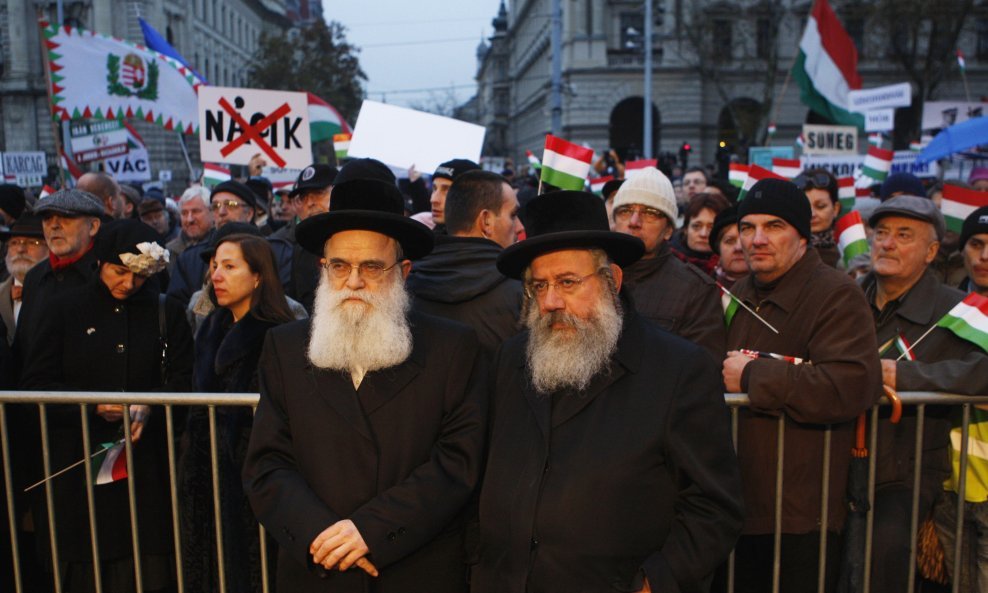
x=65 y=469
x=747 y=308
x=913 y=345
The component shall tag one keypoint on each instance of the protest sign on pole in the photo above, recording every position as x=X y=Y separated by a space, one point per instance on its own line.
x=133 y=166
x=883 y=97
x=880 y=120
x=25 y=169
x=943 y=114
x=95 y=140
x=830 y=139
x=235 y=124
x=402 y=137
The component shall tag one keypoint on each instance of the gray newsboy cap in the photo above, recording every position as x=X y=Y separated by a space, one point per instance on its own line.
x=911 y=207
x=70 y=202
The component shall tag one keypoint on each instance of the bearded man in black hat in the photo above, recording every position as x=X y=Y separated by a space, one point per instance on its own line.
x=26 y=248
x=368 y=439
x=611 y=466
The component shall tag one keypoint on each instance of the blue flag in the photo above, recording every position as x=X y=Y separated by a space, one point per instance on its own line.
x=155 y=41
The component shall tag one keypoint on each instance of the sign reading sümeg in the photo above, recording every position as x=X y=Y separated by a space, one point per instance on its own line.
x=883 y=97
x=830 y=139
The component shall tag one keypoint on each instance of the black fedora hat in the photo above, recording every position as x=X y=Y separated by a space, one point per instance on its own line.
x=567 y=220
x=28 y=225
x=366 y=205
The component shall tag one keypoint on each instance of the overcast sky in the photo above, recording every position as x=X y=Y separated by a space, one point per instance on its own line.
x=410 y=47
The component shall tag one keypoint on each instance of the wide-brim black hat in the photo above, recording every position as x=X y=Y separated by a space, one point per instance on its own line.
x=28 y=225
x=365 y=205
x=567 y=220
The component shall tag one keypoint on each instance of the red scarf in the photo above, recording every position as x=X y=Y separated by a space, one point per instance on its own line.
x=60 y=263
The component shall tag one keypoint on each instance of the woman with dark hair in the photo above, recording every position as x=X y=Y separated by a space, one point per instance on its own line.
x=691 y=243
x=100 y=337
x=249 y=301
x=822 y=192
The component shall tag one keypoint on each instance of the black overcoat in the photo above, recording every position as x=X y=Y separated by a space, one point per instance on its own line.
x=400 y=457
x=636 y=475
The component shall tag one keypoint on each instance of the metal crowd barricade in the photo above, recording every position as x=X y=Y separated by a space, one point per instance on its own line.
x=736 y=402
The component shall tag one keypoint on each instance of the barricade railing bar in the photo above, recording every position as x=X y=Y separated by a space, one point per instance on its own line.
x=42 y=400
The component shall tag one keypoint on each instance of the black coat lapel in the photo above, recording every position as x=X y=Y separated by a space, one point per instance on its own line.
x=336 y=389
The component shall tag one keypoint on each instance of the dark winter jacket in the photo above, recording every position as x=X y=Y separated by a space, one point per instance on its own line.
x=303 y=273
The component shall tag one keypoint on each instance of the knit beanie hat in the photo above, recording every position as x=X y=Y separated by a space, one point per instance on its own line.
x=779 y=198
x=650 y=187
x=976 y=223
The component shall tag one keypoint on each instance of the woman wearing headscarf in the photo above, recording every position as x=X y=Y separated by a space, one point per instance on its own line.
x=102 y=337
x=249 y=301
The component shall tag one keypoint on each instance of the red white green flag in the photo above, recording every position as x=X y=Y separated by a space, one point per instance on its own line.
x=877 y=163
x=850 y=234
x=969 y=320
x=958 y=203
x=324 y=120
x=736 y=174
x=597 y=185
x=213 y=175
x=565 y=165
x=46 y=191
x=960 y=61
x=632 y=168
x=113 y=467
x=533 y=161
x=788 y=168
x=846 y=194
x=756 y=174
x=827 y=66
x=341 y=145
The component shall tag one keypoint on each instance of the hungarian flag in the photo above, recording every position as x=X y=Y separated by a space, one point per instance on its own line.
x=213 y=175
x=877 y=163
x=756 y=174
x=846 y=194
x=113 y=467
x=850 y=234
x=324 y=120
x=95 y=76
x=827 y=66
x=70 y=166
x=597 y=185
x=960 y=61
x=862 y=192
x=788 y=168
x=958 y=203
x=876 y=139
x=632 y=168
x=771 y=129
x=565 y=165
x=916 y=146
x=730 y=305
x=736 y=174
x=969 y=320
x=134 y=140
x=46 y=191
x=341 y=145
x=533 y=161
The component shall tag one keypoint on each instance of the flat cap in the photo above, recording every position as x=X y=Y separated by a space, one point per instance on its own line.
x=70 y=202
x=911 y=207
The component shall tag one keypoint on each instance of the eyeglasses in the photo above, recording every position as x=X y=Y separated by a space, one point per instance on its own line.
x=644 y=212
x=228 y=204
x=24 y=243
x=368 y=270
x=816 y=181
x=565 y=286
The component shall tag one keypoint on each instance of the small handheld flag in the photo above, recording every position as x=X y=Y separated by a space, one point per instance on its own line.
x=877 y=163
x=788 y=168
x=341 y=145
x=565 y=165
x=533 y=161
x=958 y=203
x=632 y=168
x=756 y=174
x=597 y=185
x=213 y=175
x=960 y=61
x=743 y=306
x=736 y=174
x=851 y=238
x=114 y=465
x=846 y=194
x=969 y=320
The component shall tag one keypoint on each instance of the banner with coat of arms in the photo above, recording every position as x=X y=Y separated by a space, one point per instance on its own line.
x=101 y=77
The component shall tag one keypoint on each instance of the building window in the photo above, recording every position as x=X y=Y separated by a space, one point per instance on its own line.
x=632 y=31
x=723 y=40
x=982 y=31
x=764 y=38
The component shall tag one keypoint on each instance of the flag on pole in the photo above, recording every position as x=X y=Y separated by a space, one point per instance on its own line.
x=113 y=466
x=904 y=347
x=960 y=61
x=850 y=234
x=862 y=192
x=597 y=185
x=341 y=145
x=827 y=66
x=788 y=168
x=969 y=320
x=70 y=166
x=730 y=305
x=632 y=168
x=771 y=129
x=46 y=191
x=100 y=77
x=533 y=161
x=213 y=175
x=877 y=163
x=800 y=142
x=846 y=194
x=756 y=174
x=958 y=203
x=736 y=174
x=876 y=139
x=565 y=165
x=155 y=41
x=324 y=120
x=916 y=146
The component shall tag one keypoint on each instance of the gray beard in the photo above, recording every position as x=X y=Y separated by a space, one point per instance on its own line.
x=356 y=337
x=564 y=359
x=19 y=267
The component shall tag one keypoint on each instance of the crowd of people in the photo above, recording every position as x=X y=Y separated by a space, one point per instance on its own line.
x=473 y=383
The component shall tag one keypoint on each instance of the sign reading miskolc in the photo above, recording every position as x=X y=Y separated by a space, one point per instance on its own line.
x=235 y=124
x=830 y=139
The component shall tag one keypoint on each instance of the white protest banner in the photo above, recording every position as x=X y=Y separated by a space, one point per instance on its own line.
x=236 y=124
x=880 y=120
x=840 y=166
x=26 y=169
x=904 y=161
x=403 y=137
x=943 y=114
x=95 y=140
x=883 y=97
x=133 y=166
x=830 y=139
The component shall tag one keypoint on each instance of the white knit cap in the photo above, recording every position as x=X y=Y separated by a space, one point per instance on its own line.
x=648 y=187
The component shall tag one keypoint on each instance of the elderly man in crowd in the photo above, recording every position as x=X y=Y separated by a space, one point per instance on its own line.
x=906 y=300
x=107 y=190
x=974 y=246
x=459 y=279
x=26 y=248
x=809 y=360
x=674 y=294
x=196 y=220
x=611 y=466
x=369 y=437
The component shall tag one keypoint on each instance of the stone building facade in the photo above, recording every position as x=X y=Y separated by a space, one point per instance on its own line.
x=707 y=54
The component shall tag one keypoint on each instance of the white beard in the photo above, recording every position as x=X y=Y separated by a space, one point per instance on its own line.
x=360 y=337
x=19 y=266
x=560 y=359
